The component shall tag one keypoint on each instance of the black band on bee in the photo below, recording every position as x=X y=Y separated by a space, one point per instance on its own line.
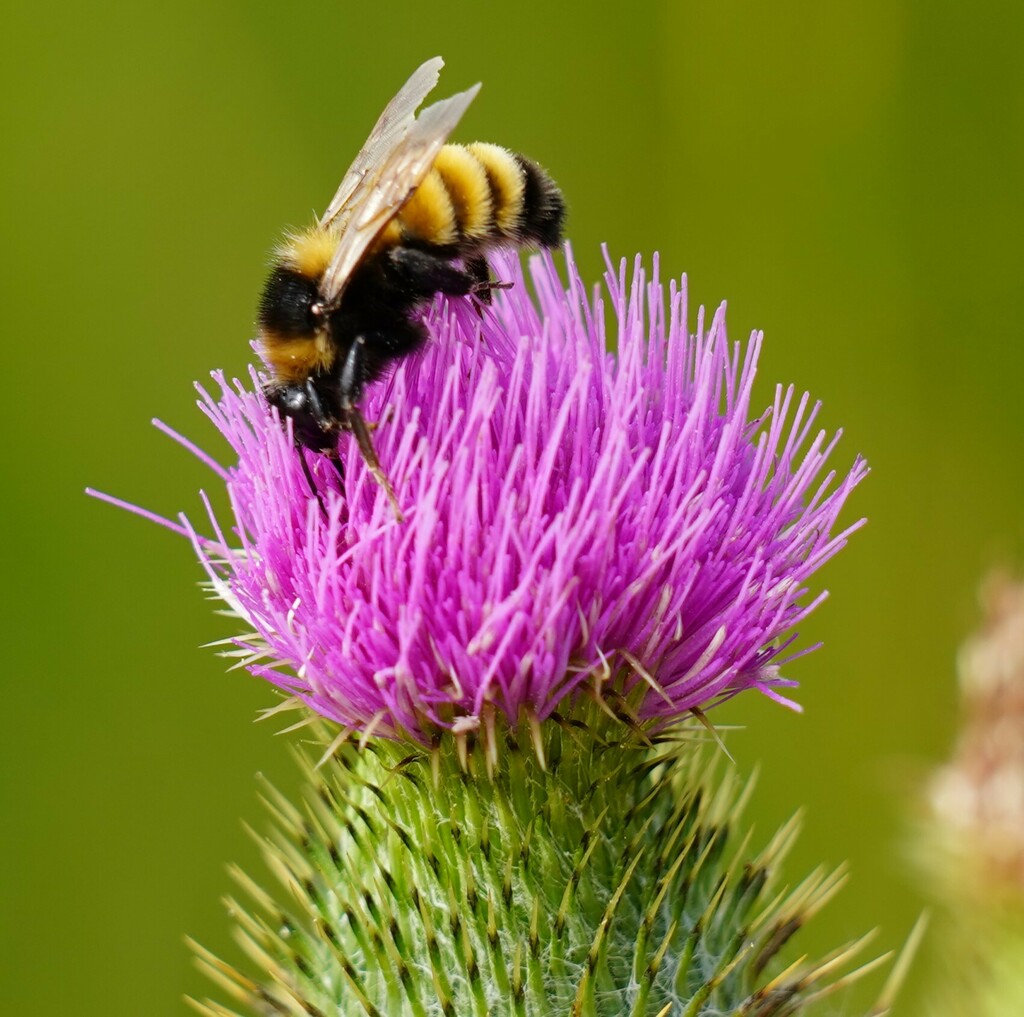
x=287 y=307
x=543 y=205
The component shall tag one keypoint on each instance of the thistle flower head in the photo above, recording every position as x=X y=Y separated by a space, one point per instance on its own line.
x=574 y=518
x=977 y=798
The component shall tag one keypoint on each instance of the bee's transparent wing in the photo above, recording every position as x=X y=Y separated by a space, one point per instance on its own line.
x=384 y=189
x=397 y=118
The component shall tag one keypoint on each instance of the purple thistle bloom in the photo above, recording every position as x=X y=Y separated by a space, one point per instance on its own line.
x=572 y=517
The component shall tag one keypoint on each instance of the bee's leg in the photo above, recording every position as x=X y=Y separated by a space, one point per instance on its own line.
x=357 y=424
x=420 y=274
x=483 y=285
x=318 y=413
x=481 y=273
x=389 y=413
x=328 y=449
x=350 y=388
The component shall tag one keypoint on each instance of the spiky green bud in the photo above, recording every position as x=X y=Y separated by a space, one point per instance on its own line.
x=590 y=872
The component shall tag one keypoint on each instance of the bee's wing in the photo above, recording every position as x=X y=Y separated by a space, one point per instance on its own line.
x=391 y=125
x=384 y=189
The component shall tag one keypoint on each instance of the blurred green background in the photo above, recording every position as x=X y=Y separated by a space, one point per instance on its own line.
x=848 y=176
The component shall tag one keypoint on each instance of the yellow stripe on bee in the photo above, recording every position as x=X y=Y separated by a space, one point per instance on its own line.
x=429 y=215
x=466 y=182
x=295 y=359
x=390 y=236
x=506 y=182
x=309 y=252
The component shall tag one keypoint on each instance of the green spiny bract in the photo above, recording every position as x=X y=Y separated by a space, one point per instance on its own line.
x=591 y=872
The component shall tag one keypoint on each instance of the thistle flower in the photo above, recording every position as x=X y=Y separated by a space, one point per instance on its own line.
x=978 y=798
x=573 y=518
x=579 y=527
x=971 y=847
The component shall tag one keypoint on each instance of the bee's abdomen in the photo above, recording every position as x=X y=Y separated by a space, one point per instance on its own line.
x=480 y=196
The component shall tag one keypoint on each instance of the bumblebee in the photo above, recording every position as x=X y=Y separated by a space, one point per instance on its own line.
x=413 y=217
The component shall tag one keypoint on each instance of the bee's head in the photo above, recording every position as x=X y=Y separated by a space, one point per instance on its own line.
x=312 y=426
